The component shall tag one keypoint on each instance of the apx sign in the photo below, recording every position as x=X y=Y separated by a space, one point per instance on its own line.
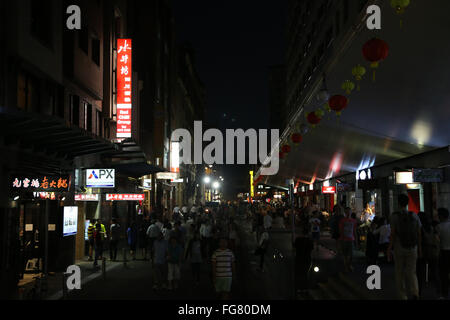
x=100 y=178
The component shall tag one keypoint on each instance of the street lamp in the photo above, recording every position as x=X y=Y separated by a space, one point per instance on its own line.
x=207 y=180
x=216 y=185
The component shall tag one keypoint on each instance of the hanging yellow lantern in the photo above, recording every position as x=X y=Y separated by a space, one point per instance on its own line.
x=348 y=86
x=358 y=72
x=400 y=7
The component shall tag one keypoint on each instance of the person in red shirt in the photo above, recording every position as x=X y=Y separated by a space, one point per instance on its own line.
x=347 y=231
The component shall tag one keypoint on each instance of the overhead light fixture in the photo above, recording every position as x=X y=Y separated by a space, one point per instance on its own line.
x=207 y=180
x=16 y=198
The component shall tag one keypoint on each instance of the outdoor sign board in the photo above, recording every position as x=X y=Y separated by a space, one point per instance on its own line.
x=125 y=197
x=40 y=183
x=124 y=88
x=167 y=176
x=86 y=197
x=100 y=178
x=329 y=190
x=428 y=175
x=70 y=221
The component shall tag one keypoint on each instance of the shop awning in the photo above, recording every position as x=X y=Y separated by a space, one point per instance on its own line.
x=130 y=160
x=48 y=135
x=46 y=144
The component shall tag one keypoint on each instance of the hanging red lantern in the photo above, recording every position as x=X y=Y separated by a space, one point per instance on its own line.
x=313 y=119
x=296 y=138
x=375 y=51
x=338 y=103
x=286 y=148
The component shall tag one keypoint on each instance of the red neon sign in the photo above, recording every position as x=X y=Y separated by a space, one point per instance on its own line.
x=125 y=197
x=329 y=190
x=124 y=88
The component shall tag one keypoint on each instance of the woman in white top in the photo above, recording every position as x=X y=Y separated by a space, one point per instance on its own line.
x=384 y=230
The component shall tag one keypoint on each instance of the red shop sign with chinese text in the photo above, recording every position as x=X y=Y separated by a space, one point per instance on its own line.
x=125 y=197
x=40 y=183
x=329 y=190
x=124 y=88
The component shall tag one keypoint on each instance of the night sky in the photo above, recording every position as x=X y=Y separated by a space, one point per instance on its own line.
x=235 y=42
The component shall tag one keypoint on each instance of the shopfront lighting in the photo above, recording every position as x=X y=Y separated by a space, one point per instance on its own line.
x=16 y=198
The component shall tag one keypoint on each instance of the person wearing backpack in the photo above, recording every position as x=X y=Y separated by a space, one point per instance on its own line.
x=407 y=243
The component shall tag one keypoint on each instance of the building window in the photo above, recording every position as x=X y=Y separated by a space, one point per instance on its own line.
x=41 y=21
x=87 y=116
x=28 y=98
x=99 y=121
x=96 y=51
x=75 y=110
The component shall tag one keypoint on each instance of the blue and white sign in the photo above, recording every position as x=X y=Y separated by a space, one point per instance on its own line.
x=100 y=178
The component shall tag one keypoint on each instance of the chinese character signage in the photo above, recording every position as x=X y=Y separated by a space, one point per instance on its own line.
x=125 y=197
x=40 y=183
x=124 y=74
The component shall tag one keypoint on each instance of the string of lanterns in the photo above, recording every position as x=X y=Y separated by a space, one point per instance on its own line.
x=374 y=51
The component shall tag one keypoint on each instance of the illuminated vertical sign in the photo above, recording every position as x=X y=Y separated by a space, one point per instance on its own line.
x=175 y=157
x=124 y=74
x=252 y=190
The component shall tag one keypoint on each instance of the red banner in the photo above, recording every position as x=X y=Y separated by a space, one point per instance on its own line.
x=124 y=88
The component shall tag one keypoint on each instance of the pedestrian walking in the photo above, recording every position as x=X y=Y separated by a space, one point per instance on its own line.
x=132 y=234
x=206 y=236
x=98 y=243
x=303 y=248
x=315 y=229
x=91 y=229
x=347 y=231
x=383 y=230
x=174 y=256
x=430 y=253
x=406 y=241
x=159 y=258
x=114 y=239
x=443 y=230
x=262 y=248
x=194 y=255
x=223 y=269
x=153 y=231
x=372 y=241
x=143 y=239
x=334 y=224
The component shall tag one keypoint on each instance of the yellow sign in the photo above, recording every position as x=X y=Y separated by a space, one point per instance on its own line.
x=252 y=191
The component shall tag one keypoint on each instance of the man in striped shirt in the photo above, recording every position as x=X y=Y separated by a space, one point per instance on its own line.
x=223 y=269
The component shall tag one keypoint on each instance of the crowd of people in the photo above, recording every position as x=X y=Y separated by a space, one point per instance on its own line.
x=418 y=246
x=201 y=237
